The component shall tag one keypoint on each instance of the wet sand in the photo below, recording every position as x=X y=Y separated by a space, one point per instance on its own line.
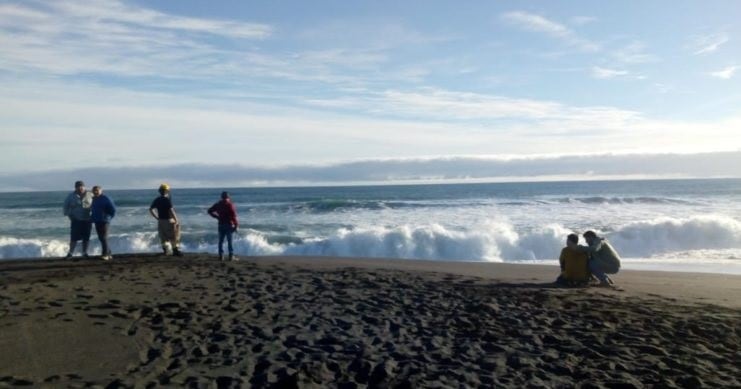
x=150 y=321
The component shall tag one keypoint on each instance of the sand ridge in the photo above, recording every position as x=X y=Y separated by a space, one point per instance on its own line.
x=149 y=321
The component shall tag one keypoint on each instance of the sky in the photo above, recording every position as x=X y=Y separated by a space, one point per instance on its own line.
x=294 y=92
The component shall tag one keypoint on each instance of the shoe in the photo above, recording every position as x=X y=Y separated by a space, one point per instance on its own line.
x=68 y=256
x=232 y=257
x=84 y=255
x=221 y=257
x=106 y=257
x=177 y=253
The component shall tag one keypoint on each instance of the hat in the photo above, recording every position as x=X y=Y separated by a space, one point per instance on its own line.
x=164 y=187
x=224 y=195
x=79 y=184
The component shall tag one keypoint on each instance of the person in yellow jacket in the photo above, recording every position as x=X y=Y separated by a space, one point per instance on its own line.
x=574 y=270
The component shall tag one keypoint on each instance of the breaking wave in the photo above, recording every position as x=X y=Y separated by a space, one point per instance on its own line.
x=491 y=241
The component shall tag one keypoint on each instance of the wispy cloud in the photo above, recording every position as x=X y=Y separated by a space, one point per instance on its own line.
x=538 y=23
x=113 y=38
x=606 y=73
x=581 y=20
x=707 y=44
x=440 y=105
x=634 y=53
x=725 y=73
x=390 y=170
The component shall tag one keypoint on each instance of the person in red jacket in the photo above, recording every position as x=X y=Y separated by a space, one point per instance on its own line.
x=225 y=212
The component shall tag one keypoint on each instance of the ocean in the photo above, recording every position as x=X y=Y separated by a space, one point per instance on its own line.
x=692 y=225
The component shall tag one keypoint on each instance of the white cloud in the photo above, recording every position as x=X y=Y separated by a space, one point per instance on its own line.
x=634 y=53
x=389 y=170
x=605 y=73
x=725 y=73
x=112 y=38
x=47 y=119
x=116 y=12
x=581 y=20
x=446 y=105
x=537 y=23
x=707 y=44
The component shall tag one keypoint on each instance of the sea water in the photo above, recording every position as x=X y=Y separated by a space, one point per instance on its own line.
x=658 y=224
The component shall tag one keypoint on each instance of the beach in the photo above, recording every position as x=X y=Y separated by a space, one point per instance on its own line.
x=146 y=320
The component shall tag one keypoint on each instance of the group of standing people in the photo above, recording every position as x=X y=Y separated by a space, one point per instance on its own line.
x=85 y=209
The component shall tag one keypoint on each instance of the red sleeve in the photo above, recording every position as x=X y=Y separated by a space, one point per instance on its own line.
x=233 y=210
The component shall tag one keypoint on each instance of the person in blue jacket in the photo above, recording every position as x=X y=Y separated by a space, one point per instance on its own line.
x=102 y=212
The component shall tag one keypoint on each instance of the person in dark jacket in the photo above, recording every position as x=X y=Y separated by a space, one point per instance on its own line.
x=77 y=209
x=225 y=212
x=168 y=226
x=102 y=212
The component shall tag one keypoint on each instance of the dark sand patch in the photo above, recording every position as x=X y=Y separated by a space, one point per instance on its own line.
x=150 y=321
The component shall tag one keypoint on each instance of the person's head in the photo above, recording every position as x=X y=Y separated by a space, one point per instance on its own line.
x=97 y=191
x=572 y=239
x=590 y=236
x=164 y=189
x=79 y=187
x=224 y=195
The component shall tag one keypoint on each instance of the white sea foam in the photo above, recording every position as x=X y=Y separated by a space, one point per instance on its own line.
x=31 y=248
x=667 y=235
x=488 y=241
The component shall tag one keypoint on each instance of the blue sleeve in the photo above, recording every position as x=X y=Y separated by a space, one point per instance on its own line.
x=111 y=208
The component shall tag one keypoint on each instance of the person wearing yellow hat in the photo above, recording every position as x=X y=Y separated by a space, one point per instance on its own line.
x=168 y=226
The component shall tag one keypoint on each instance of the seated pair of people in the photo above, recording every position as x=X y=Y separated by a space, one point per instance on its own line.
x=579 y=263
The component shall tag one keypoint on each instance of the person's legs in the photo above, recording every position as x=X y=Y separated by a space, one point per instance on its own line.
x=86 y=228
x=74 y=236
x=102 y=230
x=176 y=239
x=163 y=227
x=229 y=241
x=222 y=235
x=72 y=245
x=596 y=269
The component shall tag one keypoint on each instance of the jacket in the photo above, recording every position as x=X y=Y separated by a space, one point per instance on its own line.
x=103 y=209
x=574 y=265
x=77 y=207
x=225 y=212
x=603 y=253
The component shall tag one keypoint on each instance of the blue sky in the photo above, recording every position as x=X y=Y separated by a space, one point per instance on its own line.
x=284 y=84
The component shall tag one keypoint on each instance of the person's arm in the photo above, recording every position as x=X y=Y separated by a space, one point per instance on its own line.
x=235 y=222
x=111 y=208
x=152 y=207
x=65 y=208
x=212 y=212
x=173 y=215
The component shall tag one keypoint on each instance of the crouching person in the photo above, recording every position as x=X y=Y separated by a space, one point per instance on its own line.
x=603 y=259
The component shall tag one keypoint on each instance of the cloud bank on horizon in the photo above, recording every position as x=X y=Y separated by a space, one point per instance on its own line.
x=117 y=85
x=385 y=171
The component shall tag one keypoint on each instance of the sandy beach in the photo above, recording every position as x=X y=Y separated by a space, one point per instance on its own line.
x=151 y=321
